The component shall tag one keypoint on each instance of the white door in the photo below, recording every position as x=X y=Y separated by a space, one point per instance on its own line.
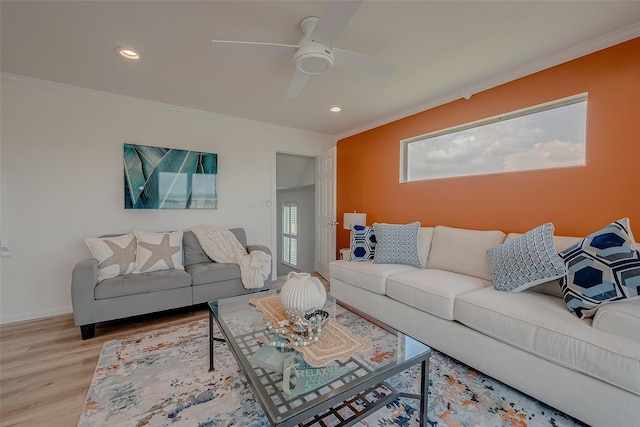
x=325 y=211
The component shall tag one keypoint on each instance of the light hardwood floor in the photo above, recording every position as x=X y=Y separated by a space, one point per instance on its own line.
x=46 y=368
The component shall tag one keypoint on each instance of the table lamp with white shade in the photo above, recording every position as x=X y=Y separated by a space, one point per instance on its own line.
x=353 y=218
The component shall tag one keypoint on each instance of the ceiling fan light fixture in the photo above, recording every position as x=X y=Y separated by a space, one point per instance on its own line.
x=312 y=57
x=314 y=62
x=335 y=109
x=127 y=53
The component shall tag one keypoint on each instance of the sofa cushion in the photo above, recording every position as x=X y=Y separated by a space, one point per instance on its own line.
x=192 y=251
x=116 y=255
x=158 y=251
x=432 y=290
x=366 y=274
x=621 y=318
x=363 y=243
x=526 y=261
x=540 y=324
x=211 y=272
x=463 y=251
x=425 y=235
x=397 y=244
x=602 y=268
x=143 y=283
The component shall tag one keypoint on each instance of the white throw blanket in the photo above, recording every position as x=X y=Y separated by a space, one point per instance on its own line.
x=222 y=246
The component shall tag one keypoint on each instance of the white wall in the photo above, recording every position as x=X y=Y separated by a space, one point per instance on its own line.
x=62 y=177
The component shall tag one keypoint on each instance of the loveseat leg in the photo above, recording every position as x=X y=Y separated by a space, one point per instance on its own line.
x=88 y=331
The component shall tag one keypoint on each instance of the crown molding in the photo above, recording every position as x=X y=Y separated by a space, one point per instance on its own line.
x=560 y=57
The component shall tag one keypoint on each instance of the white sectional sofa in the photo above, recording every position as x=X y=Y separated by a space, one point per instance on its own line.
x=587 y=368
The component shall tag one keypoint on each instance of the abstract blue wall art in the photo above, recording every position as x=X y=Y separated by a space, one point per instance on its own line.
x=167 y=178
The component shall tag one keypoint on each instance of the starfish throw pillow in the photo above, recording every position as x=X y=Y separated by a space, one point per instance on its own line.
x=158 y=251
x=116 y=256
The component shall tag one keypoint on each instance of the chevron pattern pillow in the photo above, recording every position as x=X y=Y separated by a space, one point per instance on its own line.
x=526 y=261
x=363 y=243
x=397 y=244
x=601 y=268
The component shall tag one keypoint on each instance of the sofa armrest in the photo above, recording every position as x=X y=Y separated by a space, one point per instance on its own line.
x=620 y=318
x=83 y=282
x=263 y=248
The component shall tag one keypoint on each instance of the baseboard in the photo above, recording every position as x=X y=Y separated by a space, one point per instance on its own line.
x=35 y=315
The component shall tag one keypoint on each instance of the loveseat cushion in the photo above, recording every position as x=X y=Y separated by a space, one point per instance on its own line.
x=212 y=272
x=142 y=283
x=366 y=274
x=193 y=252
x=432 y=290
x=541 y=324
x=620 y=318
x=463 y=251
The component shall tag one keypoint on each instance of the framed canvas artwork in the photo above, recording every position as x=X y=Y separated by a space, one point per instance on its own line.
x=168 y=178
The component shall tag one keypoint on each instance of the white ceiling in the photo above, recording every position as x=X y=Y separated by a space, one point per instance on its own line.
x=444 y=50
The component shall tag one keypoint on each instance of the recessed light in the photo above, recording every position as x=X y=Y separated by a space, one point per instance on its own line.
x=335 y=109
x=128 y=53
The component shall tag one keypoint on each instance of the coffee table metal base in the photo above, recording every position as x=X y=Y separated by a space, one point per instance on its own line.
x=343 y=408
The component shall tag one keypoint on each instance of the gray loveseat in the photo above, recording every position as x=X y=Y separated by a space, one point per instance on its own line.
x=201 y=281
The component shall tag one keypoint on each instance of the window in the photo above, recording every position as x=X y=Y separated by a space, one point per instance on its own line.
x=290 y=233
x=551 y=135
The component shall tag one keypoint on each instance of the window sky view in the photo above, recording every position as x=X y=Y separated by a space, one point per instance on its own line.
x=547 y=139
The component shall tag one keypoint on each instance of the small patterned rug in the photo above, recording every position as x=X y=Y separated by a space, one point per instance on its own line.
x=161 y=378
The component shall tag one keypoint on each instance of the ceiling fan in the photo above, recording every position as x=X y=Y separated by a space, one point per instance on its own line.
x=313 y=54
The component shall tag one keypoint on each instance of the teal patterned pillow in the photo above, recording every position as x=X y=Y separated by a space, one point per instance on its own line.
x=397 y=244
x=601 y=268
x=526 y=261
x=363 y=243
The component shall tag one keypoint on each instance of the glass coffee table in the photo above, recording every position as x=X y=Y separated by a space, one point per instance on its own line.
x=358 y=386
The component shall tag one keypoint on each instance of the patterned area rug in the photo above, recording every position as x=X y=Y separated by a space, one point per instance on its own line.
x=161 y=378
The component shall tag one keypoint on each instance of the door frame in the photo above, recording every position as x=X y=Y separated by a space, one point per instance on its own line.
x=275 y=242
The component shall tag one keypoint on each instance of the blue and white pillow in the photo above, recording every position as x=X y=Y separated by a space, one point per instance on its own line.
x=397 y=244
x=601 y=268
x=526 y=261
x=363 y=243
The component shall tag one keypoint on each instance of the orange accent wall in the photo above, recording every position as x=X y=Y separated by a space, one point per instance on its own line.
x=578 y=200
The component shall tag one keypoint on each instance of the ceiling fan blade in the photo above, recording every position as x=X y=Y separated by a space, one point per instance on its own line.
x=254 y=46
x=359 y=62
x=298 y=81
x=333 y=20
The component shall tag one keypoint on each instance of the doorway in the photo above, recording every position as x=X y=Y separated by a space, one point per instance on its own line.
x=295 y=213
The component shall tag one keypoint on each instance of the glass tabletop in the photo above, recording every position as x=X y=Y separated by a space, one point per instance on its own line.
x=290 y=399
